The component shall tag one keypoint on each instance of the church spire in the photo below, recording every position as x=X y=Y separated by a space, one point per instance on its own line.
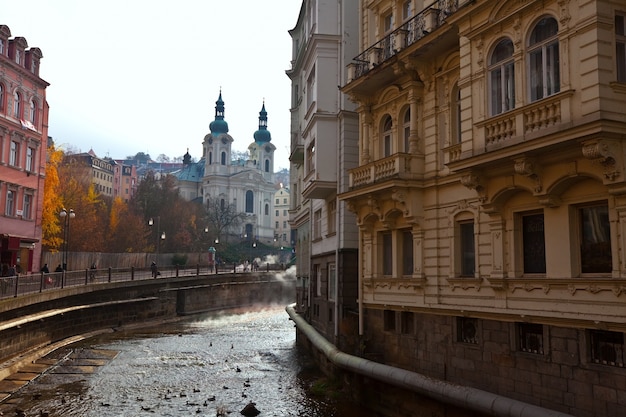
x=219 y=125
x=262 y=135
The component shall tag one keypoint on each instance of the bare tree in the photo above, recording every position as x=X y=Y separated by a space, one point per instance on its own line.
x=222 y=217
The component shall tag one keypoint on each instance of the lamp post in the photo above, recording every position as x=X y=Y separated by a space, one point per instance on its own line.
x=160 y=236
x=65 y=217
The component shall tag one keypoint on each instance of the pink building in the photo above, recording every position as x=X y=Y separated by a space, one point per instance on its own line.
x=23 y=146
x=124 y=179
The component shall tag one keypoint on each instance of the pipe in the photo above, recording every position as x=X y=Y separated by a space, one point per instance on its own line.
x=461 y=396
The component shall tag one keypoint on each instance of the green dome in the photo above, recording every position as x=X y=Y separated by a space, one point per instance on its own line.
x=262 y=135
x=219 y=125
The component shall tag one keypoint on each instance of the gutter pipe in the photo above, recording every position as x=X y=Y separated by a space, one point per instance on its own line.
x=461 y=396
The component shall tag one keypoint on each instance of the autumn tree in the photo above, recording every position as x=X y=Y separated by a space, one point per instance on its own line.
x=222 y=217
x=52 y=202
x=127 y=231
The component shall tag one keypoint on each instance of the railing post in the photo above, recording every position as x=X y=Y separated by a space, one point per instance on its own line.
x=86 y=276
x=234 y=268
x=197 y=270
x=177 y=267
x=268 y=266
x=132 y=273
x=17 y=277
x=110 y=273
x=41 y=281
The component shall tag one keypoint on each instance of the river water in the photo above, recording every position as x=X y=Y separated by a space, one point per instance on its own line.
x=208 y=365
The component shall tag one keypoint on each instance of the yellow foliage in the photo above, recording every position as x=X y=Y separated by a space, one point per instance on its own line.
x=52 y=202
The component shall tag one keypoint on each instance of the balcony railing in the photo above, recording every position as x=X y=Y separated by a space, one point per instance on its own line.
x=398 y=166
x=425 y=22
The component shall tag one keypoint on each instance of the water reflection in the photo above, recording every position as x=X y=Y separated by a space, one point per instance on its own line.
x=208 y=366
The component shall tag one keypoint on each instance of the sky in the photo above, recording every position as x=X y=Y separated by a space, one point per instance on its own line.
x=130 y=76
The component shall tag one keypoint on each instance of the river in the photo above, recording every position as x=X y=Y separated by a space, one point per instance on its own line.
x=205 y=365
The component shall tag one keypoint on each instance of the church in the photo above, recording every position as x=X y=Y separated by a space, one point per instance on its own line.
x=248 y=184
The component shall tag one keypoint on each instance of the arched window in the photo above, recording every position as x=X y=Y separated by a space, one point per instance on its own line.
x=502 y=78
x=210 y=158
x=33 y=112
x=249 y=202
x=543 y=59
x=407 y=129
x=267 y=209
x=16 y=105
x=455 y=112
x=386 y=137
x=267 y=165
x=223 y=158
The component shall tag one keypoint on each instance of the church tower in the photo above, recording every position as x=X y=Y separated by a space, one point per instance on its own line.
x=217 y=144
x=262 y=150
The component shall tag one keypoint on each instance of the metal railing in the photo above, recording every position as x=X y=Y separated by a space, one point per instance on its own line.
x=36 y=283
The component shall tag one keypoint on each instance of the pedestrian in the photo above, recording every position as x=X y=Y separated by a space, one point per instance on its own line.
x=44 y=269
x=154 y=269
x=59 y=268
x=92 y=272
x=12 y=271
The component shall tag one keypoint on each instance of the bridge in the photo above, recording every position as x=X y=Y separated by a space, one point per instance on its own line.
x=41 y=312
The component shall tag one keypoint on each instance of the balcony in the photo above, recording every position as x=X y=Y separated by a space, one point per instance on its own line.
x=316 y=187
x=422 y=24
x=400 y=166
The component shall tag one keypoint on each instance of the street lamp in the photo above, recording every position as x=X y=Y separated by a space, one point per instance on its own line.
x=65 y=217
x=160 y=236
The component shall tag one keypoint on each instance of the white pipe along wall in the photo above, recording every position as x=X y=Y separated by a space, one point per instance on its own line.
x=446 y=392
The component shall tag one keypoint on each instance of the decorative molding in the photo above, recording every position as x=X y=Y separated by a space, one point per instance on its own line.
x=605 y=153
x=528 y=167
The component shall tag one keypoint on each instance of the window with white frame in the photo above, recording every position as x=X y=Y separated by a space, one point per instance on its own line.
x=407 y=10
x=32 y=117
x=310 y=88
x=455 y=113
x=543 y=59
x=533 y=243
x=9 y=208
x=406 y=128
x=595 y=239
x=30 y=152
x=317 y=224
x=466 y=248
x=387 y=22
x=17 y=105
x=317 y=273
x=620 y=47
x=310 y=158
x=502 y=77
x=18 y=56
x=332 y=282
x=14 y=153
x=386 y=136
x=27 y=210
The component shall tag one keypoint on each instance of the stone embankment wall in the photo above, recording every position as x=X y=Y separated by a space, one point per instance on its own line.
x=31 y=323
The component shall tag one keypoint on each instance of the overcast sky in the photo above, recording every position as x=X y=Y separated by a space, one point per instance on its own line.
x=130 y=76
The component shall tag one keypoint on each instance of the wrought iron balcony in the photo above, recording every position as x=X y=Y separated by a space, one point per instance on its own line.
x=413 y=30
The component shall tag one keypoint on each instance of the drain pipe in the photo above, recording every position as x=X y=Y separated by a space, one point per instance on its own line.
x=461 y=396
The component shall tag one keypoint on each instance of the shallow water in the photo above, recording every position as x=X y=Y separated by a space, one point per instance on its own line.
x=210 y=365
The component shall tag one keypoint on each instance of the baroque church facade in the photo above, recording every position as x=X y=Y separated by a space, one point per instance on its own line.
x=248 y=184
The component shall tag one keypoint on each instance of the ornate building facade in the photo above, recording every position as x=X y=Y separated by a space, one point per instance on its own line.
x=23 y=152
x=490 y=195
x=324 y=145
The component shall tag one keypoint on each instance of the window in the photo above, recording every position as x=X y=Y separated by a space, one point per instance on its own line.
x=317 y=273
x=267 y=209
x=1 y=97
x=29 y=159
x=310 y=158
x=284 y=224
x=387 y=22
x=317 y=224
x=387 y=125
x=467 y=330
x=387 y=251
x=17 y=111
x=467 y=248
x=310 y=88
x=249 y=201
x=530 y=337
x=407 y=322
x=277 y=203
x=456 y=115
x=210 y=158
x=595 y=239
x=18 y=56
x=389 y=318
x=607 y=348
x=223 y=159
x=502 y=77
x=32 y=117
x=533 y=244
x=9 y=209
x=27 y=210
x=407 y=129
x=332 y=282
x=407 y=252
x=14 y=153
x=407 y=10
x=277 y=224
x=284 y=212
x=332 y=216
x=277 y=211
x=267 y=165
x=543 y=59
x=284 y=201
x=1 y=46
x=620 y=47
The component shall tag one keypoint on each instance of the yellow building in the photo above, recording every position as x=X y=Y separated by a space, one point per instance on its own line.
x=491 y=195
